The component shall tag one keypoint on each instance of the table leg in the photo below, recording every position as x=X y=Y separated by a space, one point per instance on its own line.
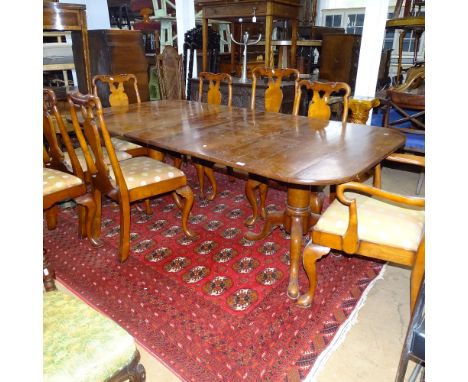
x=296 y=219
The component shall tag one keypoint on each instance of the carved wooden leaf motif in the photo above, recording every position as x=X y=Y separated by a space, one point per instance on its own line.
x=273 y=95
x=118 y=96
x=319 y=108
x=214 y=94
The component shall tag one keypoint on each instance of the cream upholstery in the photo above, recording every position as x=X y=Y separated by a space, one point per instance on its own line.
x=141 y=171
x=123 y=145
x=121 y=156
x=54 y=181
x=379 y=222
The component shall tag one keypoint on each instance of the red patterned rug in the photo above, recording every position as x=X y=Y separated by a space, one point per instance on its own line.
x=214 y=308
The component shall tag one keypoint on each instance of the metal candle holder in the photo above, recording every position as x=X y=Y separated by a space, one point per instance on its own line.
x=245 y=43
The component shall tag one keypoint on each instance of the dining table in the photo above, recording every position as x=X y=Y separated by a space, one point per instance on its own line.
x=301 y=153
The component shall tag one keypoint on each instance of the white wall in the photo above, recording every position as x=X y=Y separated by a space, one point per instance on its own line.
x=97 y=13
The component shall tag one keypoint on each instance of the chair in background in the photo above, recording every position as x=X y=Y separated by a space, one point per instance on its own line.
x=383 y=226
x=118 y=97
x=124 y=182
x=214 y=97
x=317 y=108
x=60 y=184
x=170 y=72
x=404 y=110
x=81 y=344
x=415 y=342
x=273 y=101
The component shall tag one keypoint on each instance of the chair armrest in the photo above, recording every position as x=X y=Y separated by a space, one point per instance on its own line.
x=408 y=200
x=417 y=160
x=350 y=238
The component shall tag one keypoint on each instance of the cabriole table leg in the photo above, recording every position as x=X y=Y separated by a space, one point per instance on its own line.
x=297 y=223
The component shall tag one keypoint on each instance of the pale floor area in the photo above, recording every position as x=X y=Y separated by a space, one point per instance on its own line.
x=371 y=349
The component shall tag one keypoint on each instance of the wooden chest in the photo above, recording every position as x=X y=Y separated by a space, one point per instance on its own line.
x=339 y=58
x=115 y=51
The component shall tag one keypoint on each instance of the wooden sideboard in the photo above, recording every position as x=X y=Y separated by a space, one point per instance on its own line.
x=71 y=17
x=117 y=51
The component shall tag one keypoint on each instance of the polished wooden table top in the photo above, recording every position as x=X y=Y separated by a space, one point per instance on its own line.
x=291 y=149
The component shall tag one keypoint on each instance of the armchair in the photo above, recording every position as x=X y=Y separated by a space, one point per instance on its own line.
x=383 y=226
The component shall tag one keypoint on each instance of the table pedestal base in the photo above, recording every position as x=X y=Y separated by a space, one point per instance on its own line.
x=302 y=212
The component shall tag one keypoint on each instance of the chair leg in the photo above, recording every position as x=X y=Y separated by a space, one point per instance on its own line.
x=97 y=218
x=263 y=188
x=250 y=186
x=332 y=195
x=51 y=217
x=187 y=194
x=230 y=172
x=155 y=154
x=417 y=274
x=87 y=214
x=124 y=230
x=208 y=171
x=178 y=162
x=201 y=178
x=377 y=182
x=420 y=182
x=312 y=253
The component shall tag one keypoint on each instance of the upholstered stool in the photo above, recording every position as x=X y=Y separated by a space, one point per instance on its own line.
x=81 y=344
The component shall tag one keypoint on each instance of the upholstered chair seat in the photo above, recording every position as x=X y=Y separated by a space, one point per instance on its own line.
x=55 y=181
x=80 y=344
x=380 y=222
x=120 y=144
x=141 y=171
x=121 y=156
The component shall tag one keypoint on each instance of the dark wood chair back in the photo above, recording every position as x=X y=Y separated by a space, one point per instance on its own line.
x=169 y=67
x=53 y=154
x=118 y=96
x=273 y=94
x=214 y=95
x=318 y=106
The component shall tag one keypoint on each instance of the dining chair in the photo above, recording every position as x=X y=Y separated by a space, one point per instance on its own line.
x=81 y=344
x=60 y=184
x=319 y=108
x=373 y=223
x=118 y=97
x=124 y=182
x=50 y=103
x=214 y=97
x=169 y=69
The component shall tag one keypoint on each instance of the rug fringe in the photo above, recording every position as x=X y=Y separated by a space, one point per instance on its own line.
x=340 y=335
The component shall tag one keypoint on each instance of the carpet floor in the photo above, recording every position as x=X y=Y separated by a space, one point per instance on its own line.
x=214 y=308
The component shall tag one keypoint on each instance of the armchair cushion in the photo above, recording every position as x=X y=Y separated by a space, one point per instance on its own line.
x=379 y=221
x=54 y=181
x=123 y=145
x=121 y=156
x=140 y=171
x=81 y=344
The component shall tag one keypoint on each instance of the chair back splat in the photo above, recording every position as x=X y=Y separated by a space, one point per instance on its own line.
x=214 y=80
x=319 y=103
x=118 y=96
x=274 y=93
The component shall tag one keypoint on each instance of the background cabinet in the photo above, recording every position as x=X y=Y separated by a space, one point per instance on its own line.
x=115 y=51
x=339 y=58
